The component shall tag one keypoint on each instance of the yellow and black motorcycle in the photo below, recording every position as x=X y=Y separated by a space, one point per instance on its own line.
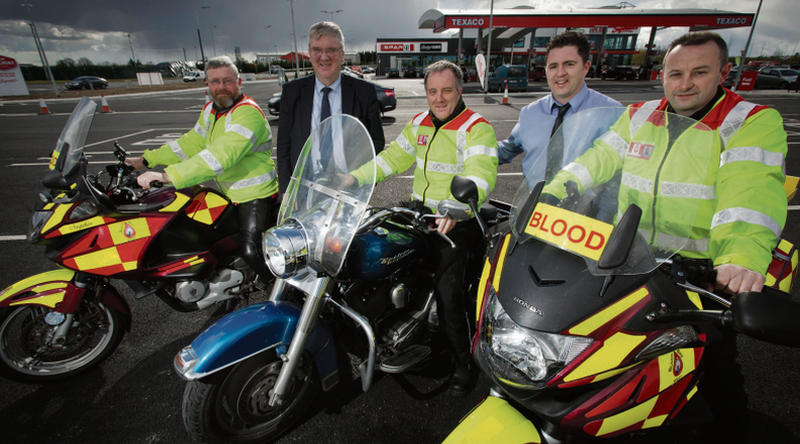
x=594 y=319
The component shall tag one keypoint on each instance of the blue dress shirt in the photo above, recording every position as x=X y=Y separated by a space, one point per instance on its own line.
x=334 y=98
x=532 y=131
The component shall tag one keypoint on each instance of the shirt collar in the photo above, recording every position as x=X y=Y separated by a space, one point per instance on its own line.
x=336 y=85
x=574 y=103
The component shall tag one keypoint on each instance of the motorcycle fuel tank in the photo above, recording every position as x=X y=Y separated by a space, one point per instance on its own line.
x=377 y=254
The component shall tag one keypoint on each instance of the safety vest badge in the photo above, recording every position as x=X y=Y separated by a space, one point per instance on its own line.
x=640 y=150
x=422 y=139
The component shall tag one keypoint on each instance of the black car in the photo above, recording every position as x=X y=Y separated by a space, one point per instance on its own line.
x=619 y=72
x=87 y=82
x=385 y=95
x=411 y=72
x=392 y=72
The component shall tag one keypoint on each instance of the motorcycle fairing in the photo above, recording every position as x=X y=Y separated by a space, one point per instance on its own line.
x=47 y=289
x=254 y=329
x=645 y=396
x=494 y=420
x=207 y=207
x=113 y=248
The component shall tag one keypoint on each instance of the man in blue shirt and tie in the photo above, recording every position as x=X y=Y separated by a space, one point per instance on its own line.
x=567 y=64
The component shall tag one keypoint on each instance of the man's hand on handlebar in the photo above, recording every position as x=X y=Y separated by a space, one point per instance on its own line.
x=736 y=279
x=146 y=179
x=136 y=162
x=444 y=223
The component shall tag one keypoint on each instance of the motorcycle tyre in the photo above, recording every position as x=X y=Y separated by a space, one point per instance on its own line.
x=78 y=362
x=210 y=416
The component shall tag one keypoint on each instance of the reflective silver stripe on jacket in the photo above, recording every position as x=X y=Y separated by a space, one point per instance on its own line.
x=752 y=154
x=741 y=214
x=251 y=181
x=689 y=190
x=480 y=150
x=439 y=167
x=461 y=140
x=616 y=141
x=212 y=162
x=200 y=130
x=641 y=116
x=387 y=170
x=583 y=174
x=241 y=130
x=406 y=145
x=433 y=203
x=417 y=121
x=176 y=148
x=636 y=182
x=676 y=243
x=734 y=120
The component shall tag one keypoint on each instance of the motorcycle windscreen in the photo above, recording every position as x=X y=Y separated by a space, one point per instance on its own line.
x=67 y=154
x=329 y=213
x=603 y=162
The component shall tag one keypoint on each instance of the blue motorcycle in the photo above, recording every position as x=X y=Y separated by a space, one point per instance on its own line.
x=367 y=303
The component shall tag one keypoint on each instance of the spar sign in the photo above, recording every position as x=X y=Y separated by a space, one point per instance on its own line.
x=11 y=81
x=569 y=231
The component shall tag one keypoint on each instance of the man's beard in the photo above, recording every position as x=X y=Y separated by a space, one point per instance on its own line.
x=223 y=101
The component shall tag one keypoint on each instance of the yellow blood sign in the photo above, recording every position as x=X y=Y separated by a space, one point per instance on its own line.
x=569 y=231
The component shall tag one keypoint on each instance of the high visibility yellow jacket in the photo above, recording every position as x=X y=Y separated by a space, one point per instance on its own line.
x=741 y=206
x=464 y=146
x=232 y=147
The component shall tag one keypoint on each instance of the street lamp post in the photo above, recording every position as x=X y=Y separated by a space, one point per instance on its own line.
x=199 y=37
x=294 y=37
x=40 y=48
x=269 y=65
x=331 y=12
x=133 y=56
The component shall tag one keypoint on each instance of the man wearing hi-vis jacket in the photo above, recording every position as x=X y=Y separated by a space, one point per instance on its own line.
x=741 y=204
x=230 y=143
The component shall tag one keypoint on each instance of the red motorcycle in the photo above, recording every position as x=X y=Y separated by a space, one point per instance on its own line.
x=181 y=245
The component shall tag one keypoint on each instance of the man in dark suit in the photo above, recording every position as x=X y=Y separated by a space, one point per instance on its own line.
x=307 y=101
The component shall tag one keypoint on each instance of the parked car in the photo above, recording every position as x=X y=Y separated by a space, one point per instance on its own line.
x=351 y=72
x=773 y=77
x=619 y=72
x=87 y=82
x=368 y=70
x=194 y=76
x=515 y=75
x=410 y=72
x=386 y=98
x=537 y=74
x=392 y=73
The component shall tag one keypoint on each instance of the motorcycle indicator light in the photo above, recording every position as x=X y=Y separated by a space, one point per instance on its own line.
x=668 y=341
x=38 y=220
x=285 y=249
x=84 y=210
x=185 y=360
x=523 y=357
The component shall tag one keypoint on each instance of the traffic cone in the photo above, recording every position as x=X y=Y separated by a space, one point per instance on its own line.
x=104 y=102
x=43 y=109
x=505 y=94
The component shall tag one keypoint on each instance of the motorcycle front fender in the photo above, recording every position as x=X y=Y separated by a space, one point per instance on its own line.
x=494 y=420
x=249 y=331
x=47 y=289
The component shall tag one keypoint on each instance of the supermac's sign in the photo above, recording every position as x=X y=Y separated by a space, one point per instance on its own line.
x=413 y=47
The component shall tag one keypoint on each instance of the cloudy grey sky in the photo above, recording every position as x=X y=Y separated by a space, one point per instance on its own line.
x=161 y=30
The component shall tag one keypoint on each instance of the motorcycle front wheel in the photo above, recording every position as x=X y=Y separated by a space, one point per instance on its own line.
x=31 y=350
x=234 y=407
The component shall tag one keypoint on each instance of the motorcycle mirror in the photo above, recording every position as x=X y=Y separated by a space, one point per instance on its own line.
x=527 y=208
x=770 y=315
x=463 y=189
x=54 y=180
x=621 y=239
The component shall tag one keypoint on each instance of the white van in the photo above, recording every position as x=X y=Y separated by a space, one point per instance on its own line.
x=194 y=75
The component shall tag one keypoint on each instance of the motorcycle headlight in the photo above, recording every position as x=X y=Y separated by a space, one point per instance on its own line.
x=523 y=357
x=285 y=249
x=37 y=222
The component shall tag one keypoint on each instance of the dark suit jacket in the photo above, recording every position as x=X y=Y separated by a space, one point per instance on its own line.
x=294 y=124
